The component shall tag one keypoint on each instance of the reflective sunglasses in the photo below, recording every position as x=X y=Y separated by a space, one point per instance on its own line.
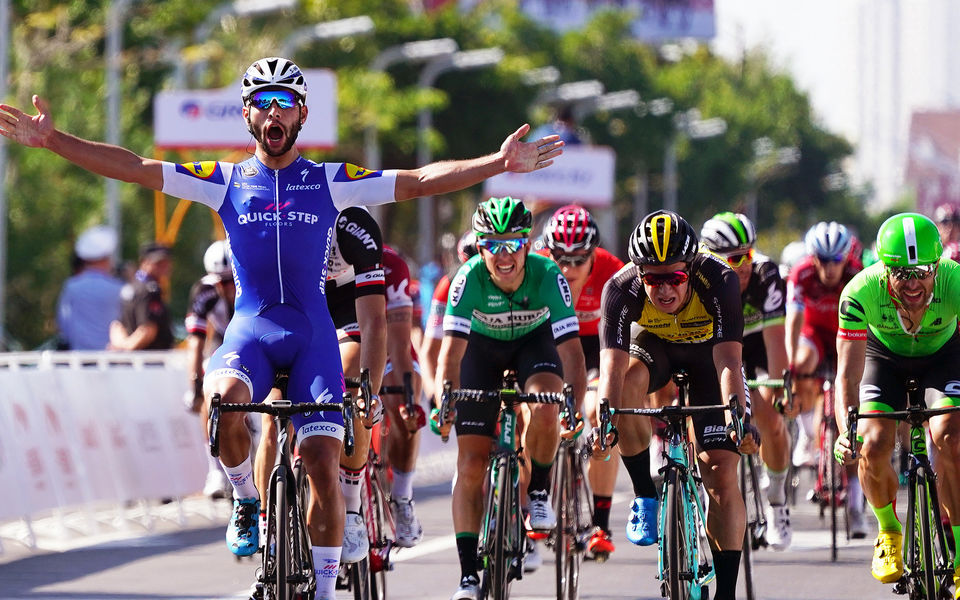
x=674 y=278
x=918 y=272
x=495 y=246
x=570 y=260
x=737 y=260
x=826 y=260
x=262 y=99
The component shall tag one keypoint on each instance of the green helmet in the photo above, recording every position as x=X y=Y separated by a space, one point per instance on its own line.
x=908 y=240
x=502 y=215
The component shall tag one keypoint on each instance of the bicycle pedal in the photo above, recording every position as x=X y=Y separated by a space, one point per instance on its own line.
x=900 y=587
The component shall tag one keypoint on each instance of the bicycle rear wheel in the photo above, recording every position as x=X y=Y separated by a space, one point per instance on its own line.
x=380 y=540
x=360 y=579
x=302 y=556
x=833 y=490
x=283 y=539
x=747 y=556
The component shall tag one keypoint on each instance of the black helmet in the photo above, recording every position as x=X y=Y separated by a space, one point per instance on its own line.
x=661 y=238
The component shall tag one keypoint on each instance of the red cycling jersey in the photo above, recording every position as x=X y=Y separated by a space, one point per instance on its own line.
x=605 y=266
x=805 y=292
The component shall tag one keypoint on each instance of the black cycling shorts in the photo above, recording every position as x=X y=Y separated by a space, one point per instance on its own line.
x=754 y=355
x=663 y=358
x=591 y=351
x=885 y=373
x=483 y=365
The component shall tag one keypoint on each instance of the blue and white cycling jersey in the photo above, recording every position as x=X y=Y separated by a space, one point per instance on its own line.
x=279 y=224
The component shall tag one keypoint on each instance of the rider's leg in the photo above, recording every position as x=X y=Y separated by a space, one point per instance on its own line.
x=325 y=515
x=775 y=449
x=401 y=449
x=473 y=455
x=603 y=475
x=879 y=481
x=726 y=516
x=634 y=446
x=355 y=543
x=805 y=396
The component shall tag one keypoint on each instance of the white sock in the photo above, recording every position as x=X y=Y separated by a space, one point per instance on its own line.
x=213 y=463
x=350 y=481
x=326 y=562
x=855 y=495
x=241 y=478
x=805 y=421
x=777 y=493
x=402 y=484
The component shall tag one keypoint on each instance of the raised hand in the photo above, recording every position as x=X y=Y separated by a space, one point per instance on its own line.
x=33 y=131
x=523 y=157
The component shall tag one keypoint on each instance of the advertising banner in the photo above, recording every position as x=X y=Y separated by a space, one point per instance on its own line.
x=582 y=174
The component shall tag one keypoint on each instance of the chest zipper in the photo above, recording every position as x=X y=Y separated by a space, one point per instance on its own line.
x=276 y=209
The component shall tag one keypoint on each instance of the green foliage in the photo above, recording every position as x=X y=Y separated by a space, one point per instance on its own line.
x=58 y=52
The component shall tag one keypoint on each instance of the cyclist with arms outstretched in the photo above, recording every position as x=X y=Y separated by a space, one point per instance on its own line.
x=278 y=209
x=508 y=309
x=898 y=319
x=572 y=239
x=763 y=295
x=674 y=307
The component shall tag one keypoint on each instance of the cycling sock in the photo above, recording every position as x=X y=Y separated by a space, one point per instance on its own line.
x=241 y=478
x=956 y=545
x=467 y=551
x=213 y=463
x=326 y=561
x=777 y=492
x=805 y=421
x=402 y=484
x=601 y=511
x=638 y=467
x=539 y=477
x=727 y=565
x=887 y=517
x=350 y=486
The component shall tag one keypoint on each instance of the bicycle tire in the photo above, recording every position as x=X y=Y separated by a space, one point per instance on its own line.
x=676 y=541
x=379 y=544
x=497 y=570
x=927 y=563
x=834 y=490
x=302 y=555
x=283 y=540
x=360 y=579
x=747 y=553
x=567 y=565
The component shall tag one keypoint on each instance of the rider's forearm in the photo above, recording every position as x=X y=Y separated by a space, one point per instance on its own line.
x=613 y=368
x=447 y=176
x=794 y=323
x=574 y=367
x=373 y=348
x=107 y=160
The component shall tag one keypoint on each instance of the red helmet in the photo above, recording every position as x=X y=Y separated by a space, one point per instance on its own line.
x=571 y=228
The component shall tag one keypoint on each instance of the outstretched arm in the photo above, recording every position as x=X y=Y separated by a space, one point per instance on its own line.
x=449 y=176
x=38 y=131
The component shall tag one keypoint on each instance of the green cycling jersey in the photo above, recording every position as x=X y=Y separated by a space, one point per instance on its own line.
x=866 y=304
x=476 y=304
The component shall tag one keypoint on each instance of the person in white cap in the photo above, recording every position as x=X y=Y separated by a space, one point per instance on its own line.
x=90 y=299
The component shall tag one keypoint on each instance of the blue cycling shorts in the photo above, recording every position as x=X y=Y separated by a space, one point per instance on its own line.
x=282 y=337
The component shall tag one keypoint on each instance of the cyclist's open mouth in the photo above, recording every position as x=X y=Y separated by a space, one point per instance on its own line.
x=275 y=134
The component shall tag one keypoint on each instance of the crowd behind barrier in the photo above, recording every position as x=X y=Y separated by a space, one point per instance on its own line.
x=91 y=430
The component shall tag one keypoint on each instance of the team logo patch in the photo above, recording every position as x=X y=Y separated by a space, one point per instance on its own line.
x=208 y=170
x=349 y=172
x=456 y=289
x=564 y=290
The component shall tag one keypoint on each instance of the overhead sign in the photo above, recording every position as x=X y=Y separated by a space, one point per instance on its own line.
x=582 y=174
x=214 y=119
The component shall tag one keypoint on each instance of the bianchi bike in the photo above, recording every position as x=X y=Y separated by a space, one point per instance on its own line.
x=502 y=542
x=683 y=566
x=287 y=570
x=927 y=562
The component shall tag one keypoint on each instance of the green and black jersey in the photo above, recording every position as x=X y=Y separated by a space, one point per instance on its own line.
x=476 y=304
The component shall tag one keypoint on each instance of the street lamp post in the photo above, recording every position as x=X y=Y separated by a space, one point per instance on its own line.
x=419 y=51
x=329 y=30
x=460 y=61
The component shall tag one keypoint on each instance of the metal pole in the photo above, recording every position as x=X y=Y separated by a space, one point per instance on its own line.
x=115 y=14
x=4 y=43
x=670 y=174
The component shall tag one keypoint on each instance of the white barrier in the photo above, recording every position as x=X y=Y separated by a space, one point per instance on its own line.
x=83 y=430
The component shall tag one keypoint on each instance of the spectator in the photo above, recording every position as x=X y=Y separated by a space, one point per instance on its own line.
x=90 y=298
x=144 y=318
x=947 y=218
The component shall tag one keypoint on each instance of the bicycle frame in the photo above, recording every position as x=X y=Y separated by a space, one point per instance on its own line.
x=928 y=567
x=571 y=493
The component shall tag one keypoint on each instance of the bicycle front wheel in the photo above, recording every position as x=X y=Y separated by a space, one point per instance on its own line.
x=747 y=558
x=283 y=538
x=496 y=572
x=567 y=555
x=302 y=556
x=676 y=540
x=380 y=541
x=928 y=564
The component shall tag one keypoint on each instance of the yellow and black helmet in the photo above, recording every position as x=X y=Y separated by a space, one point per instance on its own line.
x=662 y=237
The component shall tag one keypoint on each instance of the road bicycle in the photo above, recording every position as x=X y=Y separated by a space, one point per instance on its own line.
x=572 y=500
x=367 y=578
x=286 y=571
x=502 y=542
x=755 y=534
x=927 y=562
x=683 y=567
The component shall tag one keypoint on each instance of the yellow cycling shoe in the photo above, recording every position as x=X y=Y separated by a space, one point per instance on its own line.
x=888 y=557
x=956 y=583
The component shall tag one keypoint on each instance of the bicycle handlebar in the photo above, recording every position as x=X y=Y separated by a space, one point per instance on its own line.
x=785 y=383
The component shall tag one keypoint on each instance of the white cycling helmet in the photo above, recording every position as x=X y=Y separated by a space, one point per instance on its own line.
x=828 y=241
x=273 y=72
x=216 y=260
